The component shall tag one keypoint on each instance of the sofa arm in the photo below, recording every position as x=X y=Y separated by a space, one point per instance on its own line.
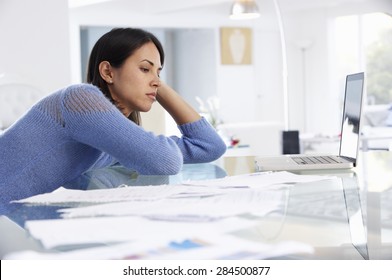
x=15 y=100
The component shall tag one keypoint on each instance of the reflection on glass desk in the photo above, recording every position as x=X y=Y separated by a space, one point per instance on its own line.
x=347 y=217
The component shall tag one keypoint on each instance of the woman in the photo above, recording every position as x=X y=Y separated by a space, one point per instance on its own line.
x=94 y=125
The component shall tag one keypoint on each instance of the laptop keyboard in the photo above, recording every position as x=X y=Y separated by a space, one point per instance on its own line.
x=317 y=160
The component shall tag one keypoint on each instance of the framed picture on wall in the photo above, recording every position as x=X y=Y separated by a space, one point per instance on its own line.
x=236 y=45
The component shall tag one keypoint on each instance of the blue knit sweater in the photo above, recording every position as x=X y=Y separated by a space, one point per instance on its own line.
x=77 y=129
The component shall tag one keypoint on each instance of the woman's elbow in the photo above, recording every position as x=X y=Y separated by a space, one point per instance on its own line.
x=170 y=168
x=164 y=165
x=209 y=153
x=217 y=150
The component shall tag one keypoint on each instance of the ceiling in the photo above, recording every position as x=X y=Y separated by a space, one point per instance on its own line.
x=164 y=6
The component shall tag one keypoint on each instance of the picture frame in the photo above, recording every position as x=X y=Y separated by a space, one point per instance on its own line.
x=236 y=45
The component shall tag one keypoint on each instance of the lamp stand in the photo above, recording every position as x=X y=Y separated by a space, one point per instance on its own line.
x=290 y=138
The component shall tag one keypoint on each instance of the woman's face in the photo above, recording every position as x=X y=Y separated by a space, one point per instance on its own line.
x=134 y=85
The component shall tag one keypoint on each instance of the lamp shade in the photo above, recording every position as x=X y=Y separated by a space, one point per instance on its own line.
x=244 y=9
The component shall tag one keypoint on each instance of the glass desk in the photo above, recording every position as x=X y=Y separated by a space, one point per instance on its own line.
x=347 y=217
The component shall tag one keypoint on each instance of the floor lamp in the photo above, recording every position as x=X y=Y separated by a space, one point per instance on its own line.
x=290 y=138
x=247 y=9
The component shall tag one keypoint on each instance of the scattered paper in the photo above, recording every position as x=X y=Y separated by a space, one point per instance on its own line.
x=210 y=247
x=259 y=180
x=106 y=230
x=125 y=193
x=246 y=201
x=130 y=221
x=185 y=190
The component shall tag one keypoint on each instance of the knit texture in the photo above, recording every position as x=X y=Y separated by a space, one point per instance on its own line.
x=77 y=129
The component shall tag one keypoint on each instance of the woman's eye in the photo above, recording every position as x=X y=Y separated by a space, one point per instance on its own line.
x=145 y=70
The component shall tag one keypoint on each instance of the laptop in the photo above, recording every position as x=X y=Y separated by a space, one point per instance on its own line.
x=349 y=138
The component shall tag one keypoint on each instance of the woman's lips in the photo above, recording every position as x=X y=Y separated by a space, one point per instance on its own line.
x=152 y=96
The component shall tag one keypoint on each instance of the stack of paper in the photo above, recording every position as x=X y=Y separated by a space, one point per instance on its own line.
x=209 y=211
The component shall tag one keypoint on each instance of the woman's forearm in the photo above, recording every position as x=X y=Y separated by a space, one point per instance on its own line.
x=176 y=106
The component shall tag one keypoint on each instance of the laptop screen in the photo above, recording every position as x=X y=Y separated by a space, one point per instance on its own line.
x=351 y=115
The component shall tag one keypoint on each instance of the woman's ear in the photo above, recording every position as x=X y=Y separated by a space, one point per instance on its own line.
x=105 y=70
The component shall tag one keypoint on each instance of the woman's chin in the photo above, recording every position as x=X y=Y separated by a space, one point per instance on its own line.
x=145 y=109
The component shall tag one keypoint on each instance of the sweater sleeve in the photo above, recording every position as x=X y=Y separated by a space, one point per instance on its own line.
x=200 y=142
x=93 y=120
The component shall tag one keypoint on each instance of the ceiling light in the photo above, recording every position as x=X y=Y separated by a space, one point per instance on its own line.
x=244 y=9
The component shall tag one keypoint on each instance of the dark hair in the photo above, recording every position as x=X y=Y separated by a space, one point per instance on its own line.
x=115 y=47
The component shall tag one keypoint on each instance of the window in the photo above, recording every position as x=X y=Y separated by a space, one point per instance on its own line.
x=364 y=42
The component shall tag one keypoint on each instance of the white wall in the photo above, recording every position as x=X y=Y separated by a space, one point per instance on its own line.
x=193 y=63
x=313 y=108
x=35 y=42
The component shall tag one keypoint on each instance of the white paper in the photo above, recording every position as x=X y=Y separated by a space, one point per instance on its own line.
x=126 y=193
x=73 y=232
x=228 y=247
x=245 y=201
x=187 y=189
x=211 y=247
x=259 y=180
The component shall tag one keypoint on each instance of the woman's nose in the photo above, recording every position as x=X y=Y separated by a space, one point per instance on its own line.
x=156 y=82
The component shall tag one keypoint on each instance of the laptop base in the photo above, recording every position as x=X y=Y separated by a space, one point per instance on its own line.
x=286 y=163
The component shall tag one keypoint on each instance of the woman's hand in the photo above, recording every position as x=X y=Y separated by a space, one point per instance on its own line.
x=175 y=105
